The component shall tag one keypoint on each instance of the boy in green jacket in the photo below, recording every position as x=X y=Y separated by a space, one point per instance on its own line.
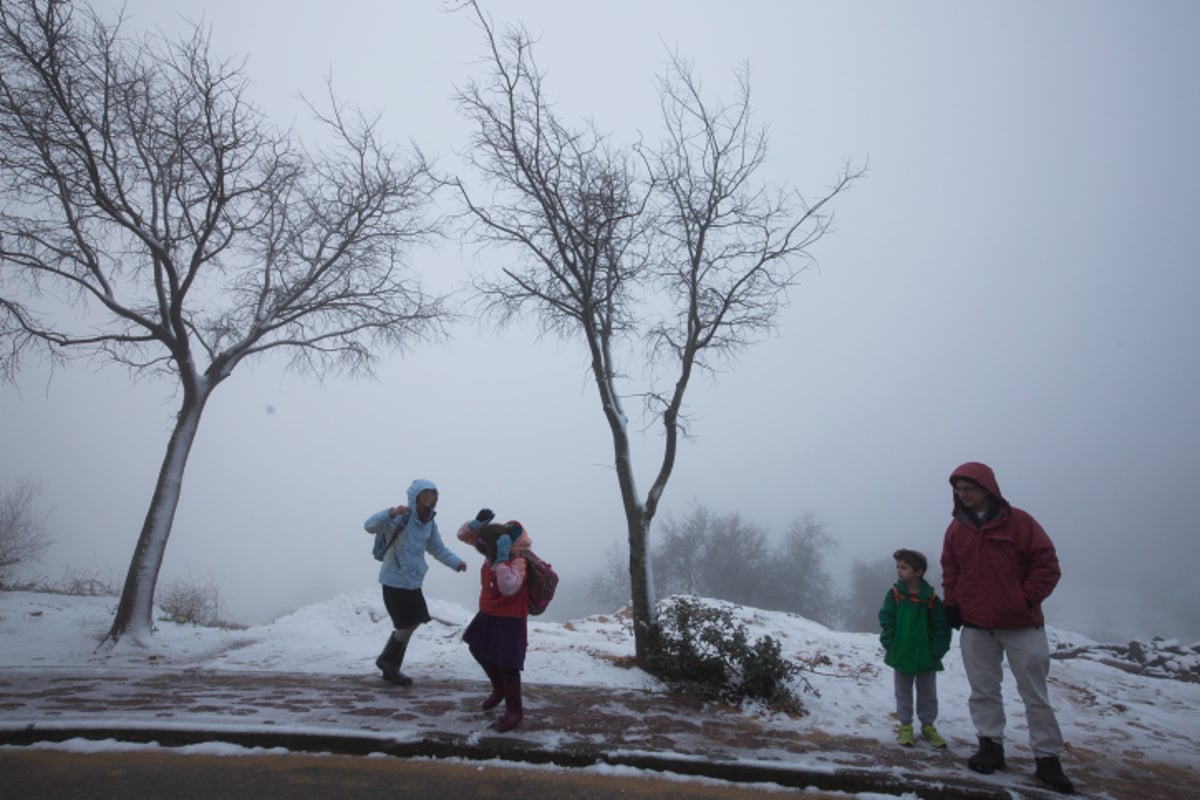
x=916 y=636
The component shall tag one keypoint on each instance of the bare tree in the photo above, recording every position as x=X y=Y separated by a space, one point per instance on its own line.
x=736 y=561
x=151 y=216
x=22 y=532
x=713 y=555
x=609 y=585
x=797 y=572
x=606 y=235
x=870 y=582
x=726 y=556
x=679 y=556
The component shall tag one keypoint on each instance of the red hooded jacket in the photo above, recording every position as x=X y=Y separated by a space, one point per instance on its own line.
x=999 y=571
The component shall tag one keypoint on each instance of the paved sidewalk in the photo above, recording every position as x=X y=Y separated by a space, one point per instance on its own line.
x=568 y=726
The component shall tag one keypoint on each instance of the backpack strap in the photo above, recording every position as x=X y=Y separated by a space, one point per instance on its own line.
x=928 y=602
x=399 y=529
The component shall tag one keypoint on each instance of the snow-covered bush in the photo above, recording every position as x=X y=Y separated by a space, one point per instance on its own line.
x=702 y=651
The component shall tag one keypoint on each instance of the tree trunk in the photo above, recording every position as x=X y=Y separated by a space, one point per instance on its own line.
x=135 y=612
x=641 y=581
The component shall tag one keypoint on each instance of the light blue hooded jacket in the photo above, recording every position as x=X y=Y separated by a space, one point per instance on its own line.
x=404 y=564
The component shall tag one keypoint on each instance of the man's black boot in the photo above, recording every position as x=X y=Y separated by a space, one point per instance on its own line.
x=989 y=758
x=1049 y=771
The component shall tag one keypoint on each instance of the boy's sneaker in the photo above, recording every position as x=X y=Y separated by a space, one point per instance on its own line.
x=931 y=735
x=905 y=735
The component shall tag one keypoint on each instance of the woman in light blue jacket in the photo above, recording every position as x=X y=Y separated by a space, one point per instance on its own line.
x=411 y=532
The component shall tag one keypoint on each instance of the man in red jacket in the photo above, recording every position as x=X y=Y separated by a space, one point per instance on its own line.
x=998 y=565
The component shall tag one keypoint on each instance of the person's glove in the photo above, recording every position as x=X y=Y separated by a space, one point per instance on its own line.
x=954 y=617
x=503 y=547
x=484 y=516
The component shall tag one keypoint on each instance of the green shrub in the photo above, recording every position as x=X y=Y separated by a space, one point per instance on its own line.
x=702 y=651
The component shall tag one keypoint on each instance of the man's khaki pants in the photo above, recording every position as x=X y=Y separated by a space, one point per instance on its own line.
x=1029 y=659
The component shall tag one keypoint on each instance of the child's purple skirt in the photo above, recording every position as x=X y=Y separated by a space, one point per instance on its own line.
x=500 y=640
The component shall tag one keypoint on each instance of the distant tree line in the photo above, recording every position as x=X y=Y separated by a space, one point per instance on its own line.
x=727 y=557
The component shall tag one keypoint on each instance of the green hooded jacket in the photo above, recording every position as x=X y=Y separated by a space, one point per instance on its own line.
x=915 y=633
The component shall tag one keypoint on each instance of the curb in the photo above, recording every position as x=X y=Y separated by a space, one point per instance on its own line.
x=491 y=748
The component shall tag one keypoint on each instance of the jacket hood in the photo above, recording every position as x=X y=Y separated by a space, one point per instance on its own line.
x=418 y=486
x=981 y=474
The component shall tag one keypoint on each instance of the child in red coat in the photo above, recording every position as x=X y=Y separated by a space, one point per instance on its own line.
x=497 y=635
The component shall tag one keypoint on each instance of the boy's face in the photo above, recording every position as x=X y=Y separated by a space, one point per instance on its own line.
x=905 y=572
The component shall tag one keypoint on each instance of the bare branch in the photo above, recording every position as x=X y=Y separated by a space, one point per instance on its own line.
x=136 y=176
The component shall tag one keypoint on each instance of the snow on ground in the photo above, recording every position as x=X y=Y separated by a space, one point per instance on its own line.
x=1112 y=700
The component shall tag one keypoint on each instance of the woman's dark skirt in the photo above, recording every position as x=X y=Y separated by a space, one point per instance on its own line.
x=406 y=607
x=500 y=640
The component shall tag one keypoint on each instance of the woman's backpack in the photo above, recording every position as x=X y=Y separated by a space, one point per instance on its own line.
x=383 y=539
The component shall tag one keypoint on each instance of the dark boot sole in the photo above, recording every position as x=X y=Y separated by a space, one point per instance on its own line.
x=394 y=676
x=985 y=769
x=1059 y=782
x=1061 y=789
x=400 y=679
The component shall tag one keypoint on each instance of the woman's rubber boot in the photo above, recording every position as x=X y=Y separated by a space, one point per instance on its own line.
x=391 y=658
x=513 y=712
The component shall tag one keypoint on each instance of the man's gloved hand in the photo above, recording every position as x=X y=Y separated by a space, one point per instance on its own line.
x=954 y=617
x=503 y=548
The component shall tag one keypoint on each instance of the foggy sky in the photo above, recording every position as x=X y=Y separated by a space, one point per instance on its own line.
x=1014 y=282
